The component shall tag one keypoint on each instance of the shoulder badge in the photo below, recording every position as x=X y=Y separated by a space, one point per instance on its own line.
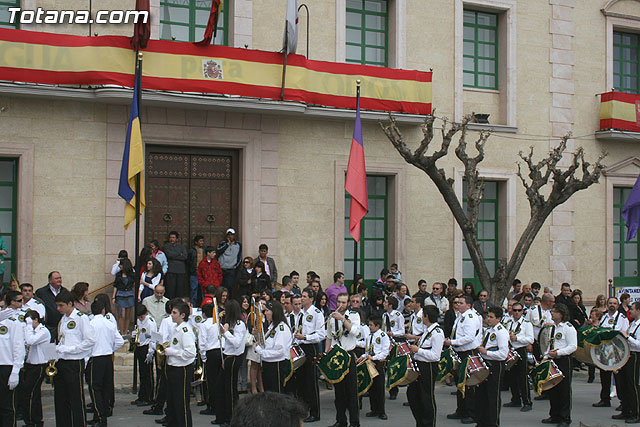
x=309 y=318
x=36 y=301
x=492 y=337
x=559 y=335
x=470 y=315
x=108 y=317
x=378 y=340
x=80 y=314
x=499 y=326
x=184 y=328
x=13 y=319
x=237 y=322
x=438 y=330
x=317 y=310
x=282 y=327
x=3 y=330
x=272 y=333
x=71 y=325
x=419 y=320
x=175 y=341
x=198 y=319
x=462 y=319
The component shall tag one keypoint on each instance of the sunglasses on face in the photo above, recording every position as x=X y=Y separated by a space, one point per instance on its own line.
x=517 y=309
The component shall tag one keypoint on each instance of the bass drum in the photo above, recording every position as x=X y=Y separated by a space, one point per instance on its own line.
x=603 y=347
x=544 y=338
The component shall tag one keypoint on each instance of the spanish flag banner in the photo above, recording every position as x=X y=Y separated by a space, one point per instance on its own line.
x=38 y=57
x=620 y=111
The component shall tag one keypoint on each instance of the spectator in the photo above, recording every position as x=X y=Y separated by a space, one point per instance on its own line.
x=535 y=289
x=295 y=278
x=625 y=300
x=395 y=273
x=436 y=298
x=381 y=283
x=450 y=315
x=260 y=281
x=376 y=306
x=547 y=290
x=515 y=289
x=175 y=281
x=470 y=290
x=229 y=253
x=156 y=304
x=311 y=276
x=321 y=304
x=577 y=310
x=145 y=255
x=422 y=289
x=601 y=303
x=209 y=295
x=243 y=278
x=357 y=281
x=123 y=295
x=363 y=290
x=194 y=257
x=483 y=304
x=565 y=295
x=336 y=288
x=221 y=297
x=268 y=409
x=209 y=271
x=151 y=278
x=269 y=263
x=80 y=295
x=116 y=266
x=286 y=285
x=452 y=287
x=47 y=294
x=401 y=296
x=159 y=255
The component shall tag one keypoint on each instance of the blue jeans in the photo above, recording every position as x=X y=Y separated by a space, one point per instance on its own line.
x=193 y=282
x=228 y=277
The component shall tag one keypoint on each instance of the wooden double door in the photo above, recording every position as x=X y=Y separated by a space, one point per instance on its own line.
x=192 y=191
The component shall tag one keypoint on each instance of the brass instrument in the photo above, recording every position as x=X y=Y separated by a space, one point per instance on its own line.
x=160 y=351
x=51 y=370
x=134 y=342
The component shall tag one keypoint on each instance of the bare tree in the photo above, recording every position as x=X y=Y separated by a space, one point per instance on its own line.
x=560 y=183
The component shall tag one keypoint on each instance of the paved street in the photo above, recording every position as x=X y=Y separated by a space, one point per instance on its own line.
x=584 y=415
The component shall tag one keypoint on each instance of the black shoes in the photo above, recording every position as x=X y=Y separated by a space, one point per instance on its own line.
x=208 y=411
x=454 y=416
x=153 y=411
x=383 y=416
x=511 y=405
x=601 y=404
x=526 y=408
x=467 y=420
x=311 y=419
x=550 y=420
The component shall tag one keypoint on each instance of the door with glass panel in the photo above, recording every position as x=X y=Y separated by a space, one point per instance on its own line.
x=8 y=215
x=625 y=254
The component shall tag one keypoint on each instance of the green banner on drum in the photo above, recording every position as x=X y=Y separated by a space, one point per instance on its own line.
x=605 y=348
x=595 y=336
x=539 y=376
x=397 y=371
x=364 y=379
x=462 y=376
x=445 y=366
x=335 y=365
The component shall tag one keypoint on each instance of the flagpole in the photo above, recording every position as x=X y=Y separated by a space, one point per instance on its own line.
x=284 y=66
x=355 y=244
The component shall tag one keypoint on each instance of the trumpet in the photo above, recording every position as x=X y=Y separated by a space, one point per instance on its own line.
x=134 y=342
x=51 y=370
x=160 y=351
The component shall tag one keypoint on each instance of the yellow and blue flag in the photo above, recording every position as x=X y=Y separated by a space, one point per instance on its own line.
x=132 y=160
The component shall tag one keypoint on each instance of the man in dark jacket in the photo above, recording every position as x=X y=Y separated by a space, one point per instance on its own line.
x=565 y=295
x=483 y=304
x=269 y=263
x=175 y=281
x=47 y=294
x=196 y=254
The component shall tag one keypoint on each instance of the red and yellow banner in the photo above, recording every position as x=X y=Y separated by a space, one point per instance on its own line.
x=620 y=111
x=37 y=57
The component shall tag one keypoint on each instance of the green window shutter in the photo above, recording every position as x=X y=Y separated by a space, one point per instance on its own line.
x=186 y=20
x=5 y=15
x=625 y=254
x=625 y=62
x=480 y=49
x=9 y=214
x=367 y=32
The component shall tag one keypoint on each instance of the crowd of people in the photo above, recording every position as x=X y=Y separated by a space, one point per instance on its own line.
x=212 y=320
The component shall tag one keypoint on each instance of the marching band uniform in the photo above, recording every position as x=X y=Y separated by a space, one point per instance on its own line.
x=76 y=340
x=496 y=342
x=34 y=304
x=617 y=322
x=565 y=341
x=416 y=327
x=538 y=318
x=420 y=393
x=180 y=357
x=143 y=356
x=378 y=348
x=523 y=330
x=394 y=322
x=314 y=332
x=33 y=373
x=12 y=354
x=346 y=391
x=294 y=322
x=466 y=337
x=233 y=347
x=629 y=378
x=275 y=356
x=166 y=327
x=100 y=366
x=209 y=346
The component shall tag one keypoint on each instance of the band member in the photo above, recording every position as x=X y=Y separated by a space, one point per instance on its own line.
x=235 y=338
x=100 y=365
x=415 y=327
x=539 y=316
x=294 y=322
x=209 y=344
x=564 y=342
x=466 y=337
x=520 y=336
x=426 y=352
x=311 y=334
x=377 y=350
x=143 y=355
x=494 y=351
x=29 y=302
x=36 y=336
x=343 y=329
x=612 y=319
x=12 y=352
x=76 y=339
x=393 y=325
x=160 y=395
x=180 y=354
x=629 y=373
x=275 y=353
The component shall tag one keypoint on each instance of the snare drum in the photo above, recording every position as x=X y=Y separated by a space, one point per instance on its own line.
x=546 y=375
x=512 y=358
x=449 y=362
x=477 y=371
x=403 y=349
x=297 y=356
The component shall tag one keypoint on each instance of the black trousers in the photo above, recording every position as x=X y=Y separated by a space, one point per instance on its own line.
x=307 y=383
x=560 y=396
x=175 y=285
x=465 y=406
x=519 y=382
x=30 y=393
x=629 y=386
x=273 y=375
x=346 y=395
x=160 y=396
x=179 y=393
x=420 y=394
x=7 y=404
x=605 y=385
x=376 y=392
x=145 y=370
x=487 y=396
x=99 y=377
x=229 y=392
x=68 y=394
x=212 y=368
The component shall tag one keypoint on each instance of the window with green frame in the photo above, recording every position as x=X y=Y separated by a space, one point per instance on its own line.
x=186 y=20
x=486 y=232
x=480 y=49
x=367 y=23
x=372 y=249
x=626 y=51
x=625 y=254
x=8 y=213
x=5 y=15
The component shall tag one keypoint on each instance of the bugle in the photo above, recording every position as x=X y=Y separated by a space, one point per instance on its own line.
x=51 y=369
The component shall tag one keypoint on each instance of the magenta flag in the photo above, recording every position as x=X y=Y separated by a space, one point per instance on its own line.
x=356 y=181
x=631 y=211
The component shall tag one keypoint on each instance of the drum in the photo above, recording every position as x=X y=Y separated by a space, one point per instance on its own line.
x=403 y=349
x=334 y=364
x=477 y=371
x=297 y=356
x=605 y=348
x=401 y=371
x=544 y=338
x=366 y=371
x=449 y=362
x=512 y=358
x=545 y=376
